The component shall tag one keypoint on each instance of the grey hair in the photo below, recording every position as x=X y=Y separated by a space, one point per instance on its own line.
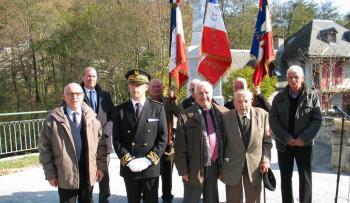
x=73 y=83
x=204 y=84
x=244 y=81
x=195 y=82
x=89 y=68
x=246 y=92
x=295 y=69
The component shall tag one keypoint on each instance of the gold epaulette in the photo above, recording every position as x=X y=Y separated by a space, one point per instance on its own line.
x=153 y=157
x=125 y=159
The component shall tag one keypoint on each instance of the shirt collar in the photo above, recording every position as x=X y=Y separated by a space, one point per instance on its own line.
x=87 y=90
x=241 y=116
x=142 y=102
x=70 y=111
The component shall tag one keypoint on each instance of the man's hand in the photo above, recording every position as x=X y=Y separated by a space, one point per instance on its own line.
x=185 y=178
x=291 y=142
x=299 y=142
x=99 y=175
x=53 y=182
x=256 y=90
x=143 y=163
x=264 y=167
x=133 y=165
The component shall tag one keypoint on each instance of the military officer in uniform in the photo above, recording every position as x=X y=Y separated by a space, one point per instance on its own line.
x=140 y=139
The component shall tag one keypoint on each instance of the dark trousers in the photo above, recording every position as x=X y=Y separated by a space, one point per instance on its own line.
x=83 y=194
x=303 y=157
x=104 y=185
x=145 y=188
x=192 y=194
x=166 y=167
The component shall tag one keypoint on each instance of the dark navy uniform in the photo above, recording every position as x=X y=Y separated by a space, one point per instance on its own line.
x=137 y=138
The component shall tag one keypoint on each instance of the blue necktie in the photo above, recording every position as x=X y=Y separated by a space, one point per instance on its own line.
x=92 y=99
x=75 y=120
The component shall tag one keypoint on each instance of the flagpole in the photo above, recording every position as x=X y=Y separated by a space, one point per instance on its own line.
x=205 y=10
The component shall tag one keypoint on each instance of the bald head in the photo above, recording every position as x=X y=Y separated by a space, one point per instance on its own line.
x=73 y=96
x=156 y=89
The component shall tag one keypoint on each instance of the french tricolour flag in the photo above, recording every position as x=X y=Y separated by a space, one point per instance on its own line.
x=262 y=47
x=178 y=64
x=215 y=46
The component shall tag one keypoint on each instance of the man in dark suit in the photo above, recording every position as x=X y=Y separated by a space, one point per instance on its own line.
x=171 y=111
x=101 y=102
x=247 y=149
x=258 y=100
x=198 y=146
x=190 y=100
x=140 y=139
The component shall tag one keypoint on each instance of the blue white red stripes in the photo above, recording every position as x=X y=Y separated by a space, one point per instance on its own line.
x=178 y=63
x=262 y=47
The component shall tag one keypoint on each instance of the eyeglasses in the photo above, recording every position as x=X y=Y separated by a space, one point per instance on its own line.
x=74 y=93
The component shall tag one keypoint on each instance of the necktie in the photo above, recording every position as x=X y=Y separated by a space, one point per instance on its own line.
x=75 y=119
x=212 y=136
x=92 y=99
x=138 y=110
x=244 y=122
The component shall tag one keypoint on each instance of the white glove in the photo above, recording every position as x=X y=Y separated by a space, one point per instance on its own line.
x=133 y=165
x=139 y=164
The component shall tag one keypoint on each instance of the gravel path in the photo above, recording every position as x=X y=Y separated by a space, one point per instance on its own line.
x=29 y=186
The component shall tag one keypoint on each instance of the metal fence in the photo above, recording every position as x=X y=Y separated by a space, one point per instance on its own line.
x=20 y=135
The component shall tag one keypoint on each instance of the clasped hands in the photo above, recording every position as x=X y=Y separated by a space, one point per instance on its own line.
x=139 y=164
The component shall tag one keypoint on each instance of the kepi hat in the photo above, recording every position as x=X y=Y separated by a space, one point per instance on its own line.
x=138 y=76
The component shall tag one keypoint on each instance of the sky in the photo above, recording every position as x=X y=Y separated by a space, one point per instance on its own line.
x=342 y=5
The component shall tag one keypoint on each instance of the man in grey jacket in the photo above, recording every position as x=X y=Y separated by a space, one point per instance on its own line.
x=295 y=118
x=72 y=153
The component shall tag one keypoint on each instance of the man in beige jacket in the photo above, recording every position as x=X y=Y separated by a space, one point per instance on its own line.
x=246 y=149
x=71 y=152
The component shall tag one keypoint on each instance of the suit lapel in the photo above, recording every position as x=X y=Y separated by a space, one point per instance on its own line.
x=253 y=125
x=130 y=114
x=234 y=128
x=145 y=114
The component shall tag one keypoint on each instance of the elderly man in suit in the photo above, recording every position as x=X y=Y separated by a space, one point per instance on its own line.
x=101 y=102
x=246 y=148
x=71 y=149
x=198 y=146
x=139 y=139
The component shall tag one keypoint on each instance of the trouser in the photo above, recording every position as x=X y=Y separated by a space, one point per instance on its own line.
x=83 y=194
x=303 y=157
x=192 y=194
x=145 y=188
x=166 y=167
x=252 y=192
x=104 y=185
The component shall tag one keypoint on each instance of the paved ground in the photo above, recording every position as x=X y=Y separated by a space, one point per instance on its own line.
x=29 y=186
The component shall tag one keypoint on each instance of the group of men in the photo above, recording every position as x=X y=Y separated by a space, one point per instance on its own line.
x=207 y=143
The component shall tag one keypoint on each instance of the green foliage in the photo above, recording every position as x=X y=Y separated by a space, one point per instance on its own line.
x=21 y=162
x=267 y=86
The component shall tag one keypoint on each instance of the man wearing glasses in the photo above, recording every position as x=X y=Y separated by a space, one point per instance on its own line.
x=72 y=153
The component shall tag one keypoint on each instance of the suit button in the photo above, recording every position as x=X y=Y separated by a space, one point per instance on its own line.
x=145 y=144
x=148 y=130
x=133 y=143
x=128 y=131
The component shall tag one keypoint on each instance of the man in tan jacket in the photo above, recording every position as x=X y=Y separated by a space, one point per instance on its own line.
x=198 y=146
x=246 y=149
x=71 y=152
